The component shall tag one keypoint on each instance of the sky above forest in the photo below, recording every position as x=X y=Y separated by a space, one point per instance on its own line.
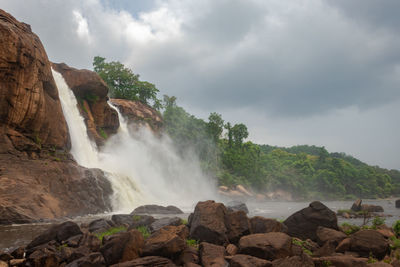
x=315 y=72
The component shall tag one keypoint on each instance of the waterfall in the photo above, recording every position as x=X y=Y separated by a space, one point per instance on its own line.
x=141 y=167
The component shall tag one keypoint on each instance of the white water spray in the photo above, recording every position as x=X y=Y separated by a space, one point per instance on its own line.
x=142 y=168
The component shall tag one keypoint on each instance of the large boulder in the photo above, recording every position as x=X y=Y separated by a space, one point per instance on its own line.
x=208 y=222
x=260 y=224
x=328 y=234
x=367 y=242
x=92 y=260
x=356 y=205
x=371 y=208
x=167 y=221
x=91 y=92
x=236 y=206
x=238 y=225
x=212 y=255
x=156 y=209
x=165 y=242
x=304 y=223
x=269 y=246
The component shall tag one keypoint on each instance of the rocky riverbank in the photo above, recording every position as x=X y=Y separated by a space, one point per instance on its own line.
x=214 y=235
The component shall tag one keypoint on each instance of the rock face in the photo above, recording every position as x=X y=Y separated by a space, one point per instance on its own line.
x=91 y=92
x=366 y=242
x=138 y=113
x=304 y=223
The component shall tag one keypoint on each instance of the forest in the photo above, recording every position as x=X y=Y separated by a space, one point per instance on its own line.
x=307 y=171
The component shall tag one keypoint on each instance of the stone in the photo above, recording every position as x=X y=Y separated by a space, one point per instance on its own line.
x=303 y=261
x=160 y=223
x=208 y=223
x=397 y=203
x=344 y=245
x=73 y=241
x=3 y=264
x=379 y=264
x=43 y=257
x=18 y=253
x=164 y=243
x=241 y=260
x=91 y=242
x=181 y=230
x=123 y=247
x=340 y=261
x=16 y=262
x=328 y=249
x=231 y=249
x=141 y=220
x=92 y=260
x=238 y=225
x=100 y=225
x=189 y=255
x=304 y=223
x=156 y=209
x=149 y=261
x=327 y=234
x=59 y=232
x=260 y=224
x=366 y=242
x=356 y=205
x=371 y=208
x=212 y=255
x=236 y=206
x=4 y=256
x=269 y=246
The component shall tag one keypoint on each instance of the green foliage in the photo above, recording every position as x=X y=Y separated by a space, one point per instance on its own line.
x=91 y=98
x=102 y=133
x=303 y=244
x=377 y=221
x=136 y=218
x=396 y=228
x=192 y=243
x=394 y=243
x=123 y=83
x=349 y=229
x=371 y=258
x=111 y=231
x=184 y=221
x=144 y=230
x=326 y=263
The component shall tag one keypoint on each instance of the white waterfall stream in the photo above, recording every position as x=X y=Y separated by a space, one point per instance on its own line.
x=142 y=168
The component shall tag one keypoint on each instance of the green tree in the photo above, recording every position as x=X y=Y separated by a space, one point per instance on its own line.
x=239 y=133
x=215 y=126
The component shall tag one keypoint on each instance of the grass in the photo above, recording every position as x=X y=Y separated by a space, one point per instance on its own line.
x=184 y=221
x=349 y=229
x=192 y=243
x=102 y=133
x=111 y=231
x=302 y=244
x=144 y=230
x=136 y=218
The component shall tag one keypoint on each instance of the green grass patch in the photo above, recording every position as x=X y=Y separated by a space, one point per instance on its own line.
x=377 y=221
x=349 y=229
x=144 y=230
x=102 y=133
x=111 y=231
x=303 y=245
x=136 y=218
x=192 y=243
x=184 y=221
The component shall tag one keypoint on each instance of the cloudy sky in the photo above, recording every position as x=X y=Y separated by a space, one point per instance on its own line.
x=295 y=72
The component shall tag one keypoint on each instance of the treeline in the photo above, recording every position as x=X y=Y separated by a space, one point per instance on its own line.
x=305 y=171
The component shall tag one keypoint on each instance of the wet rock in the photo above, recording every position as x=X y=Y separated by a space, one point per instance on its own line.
x=263 y=225
x=241 y=260
x=267 y=246
x=212 y=255
x=238 y=225
x=366 y=242
x=231 y=250
x=208 y=223
x=100 y=225
x=303 y=261
x=160 y=223
x=304 y=223
x=340 y=261
x=141 y=220
x=327 y=234
x=123 y=247
x=236 y=206
x=59 y=232
x=356 y=205
x=149 y=261
x=92 y=260
x=164 y=243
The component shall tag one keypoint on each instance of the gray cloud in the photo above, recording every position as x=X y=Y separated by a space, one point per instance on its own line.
x=274 y=62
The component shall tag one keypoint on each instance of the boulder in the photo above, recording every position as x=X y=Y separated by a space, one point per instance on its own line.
x=140 y=114
x=367 y=242
x=340 y=261
x=208 y=223
x=181 y=230
x=238 y=225
x=236 y=206
x=156 y=209
x=43 y=257
x=344 y=245
x=328 y=234
x=231 y=249
x=304 y=223
x=164 y=243
x=371 y=208
x=100 y=225
x=303 y=261
x=138 y=220
x=18 y=253
x=260 y=224
x=269 y=246
x=91 y=242
x=241 y=260
x=123 y=247
x=212 y=255
x=91 y=92
x=59 y=232
x=356 y=205
x=397 y=203
x=189 y=255
x=92 y=260
x=160 y=223
x=149 y=261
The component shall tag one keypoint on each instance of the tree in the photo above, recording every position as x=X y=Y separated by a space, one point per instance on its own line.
x=215 y=126
x=123 y=83
x=239 y=133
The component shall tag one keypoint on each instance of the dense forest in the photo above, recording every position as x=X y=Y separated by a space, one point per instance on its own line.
x=305 y=171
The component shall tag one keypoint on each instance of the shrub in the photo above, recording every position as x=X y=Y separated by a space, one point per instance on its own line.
x=396 y=228
x=349 y=229
x=192 y=243
x=377 y=221
x=144 y=230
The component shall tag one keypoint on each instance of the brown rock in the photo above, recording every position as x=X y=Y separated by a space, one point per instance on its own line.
x=149 y=261
x=340 y=261
x=231 y=249
x=164 y=243
x=90 y=241
x=3 y=264
x=43 y=257
x=303 y=261
x=263 y=225
x=371 y=208
x=189 y=255
x=327 y=234
x=138 y=113
x=328 y=249
x=91 y=260
x=123 y=247
x=241 y=260
x=356 y=205
x=238 y=225
x=304 y=223
x=386 y=231
x=267 y=246
x=208 y=223
x=344 y=245
x=212 y=255
x=366 y=242
x=18 y=253
x=91 y=92
x=379 y=264
x=182 y=230
x=15 y=262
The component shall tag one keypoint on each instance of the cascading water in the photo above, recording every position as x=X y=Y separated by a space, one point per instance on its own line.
x=141 y=167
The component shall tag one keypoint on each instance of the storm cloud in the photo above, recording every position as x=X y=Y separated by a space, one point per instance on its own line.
x=307 y=71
